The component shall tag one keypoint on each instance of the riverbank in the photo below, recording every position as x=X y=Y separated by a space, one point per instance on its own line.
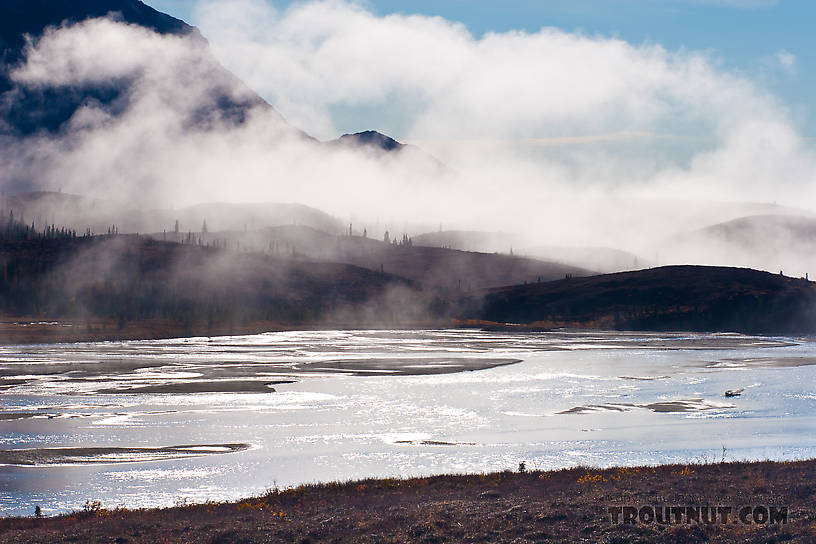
x=763 y=502
x=40 y=330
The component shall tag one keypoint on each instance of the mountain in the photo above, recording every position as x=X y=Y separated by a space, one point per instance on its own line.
x=32 y=16
x=373 y=139
x=695 y=298
x=21 y=18
x=379 y=145
x=29 y=108
x=165 y=83
x=769 y=242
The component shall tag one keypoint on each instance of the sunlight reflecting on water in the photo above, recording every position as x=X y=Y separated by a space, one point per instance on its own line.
x=352 y=404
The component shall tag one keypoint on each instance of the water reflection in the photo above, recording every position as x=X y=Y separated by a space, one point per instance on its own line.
x=350 y=404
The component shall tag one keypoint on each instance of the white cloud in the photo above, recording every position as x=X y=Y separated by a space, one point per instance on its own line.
x=787 y=60
x=449 y=85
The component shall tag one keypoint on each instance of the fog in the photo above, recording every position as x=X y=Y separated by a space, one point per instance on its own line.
x=562 y=137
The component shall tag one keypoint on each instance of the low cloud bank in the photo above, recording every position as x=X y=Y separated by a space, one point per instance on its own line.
x=569 y=138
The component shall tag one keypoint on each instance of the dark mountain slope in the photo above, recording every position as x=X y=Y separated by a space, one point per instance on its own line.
x=26 y=109
x=20 y=17
x=134 y=278
x=698 y=298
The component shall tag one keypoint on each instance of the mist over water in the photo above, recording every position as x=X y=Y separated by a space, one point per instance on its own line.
x=599 y=399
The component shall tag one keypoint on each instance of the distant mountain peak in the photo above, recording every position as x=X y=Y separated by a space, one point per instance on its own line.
x=371 y=138
x=378 y=144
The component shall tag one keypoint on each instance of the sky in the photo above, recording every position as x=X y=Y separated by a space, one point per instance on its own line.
x=771 y=42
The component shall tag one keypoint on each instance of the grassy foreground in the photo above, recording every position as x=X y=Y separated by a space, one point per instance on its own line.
x=562 y=506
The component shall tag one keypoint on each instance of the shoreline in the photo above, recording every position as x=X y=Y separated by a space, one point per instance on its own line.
x=17 y=331
x=569 y=505
x=20 y=331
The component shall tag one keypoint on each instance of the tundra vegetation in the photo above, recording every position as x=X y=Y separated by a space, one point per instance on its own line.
x=571 y=505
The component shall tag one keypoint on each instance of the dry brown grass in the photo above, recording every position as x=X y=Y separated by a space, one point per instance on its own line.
x=561 y=506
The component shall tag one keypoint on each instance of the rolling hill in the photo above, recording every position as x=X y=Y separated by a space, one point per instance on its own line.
x=694 y=298
x=435 y=268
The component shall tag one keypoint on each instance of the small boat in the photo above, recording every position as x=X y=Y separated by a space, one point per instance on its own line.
x=734 y=392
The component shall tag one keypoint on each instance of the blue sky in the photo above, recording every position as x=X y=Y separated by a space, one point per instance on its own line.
x=747 y=37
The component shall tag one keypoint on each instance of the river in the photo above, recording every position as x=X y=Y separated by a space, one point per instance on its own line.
x=157 y=423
